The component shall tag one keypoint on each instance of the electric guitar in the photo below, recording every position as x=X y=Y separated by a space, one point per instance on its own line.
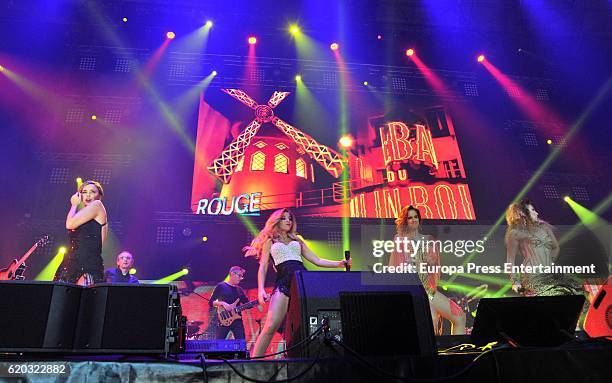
x=16 y=268
x=227 y=317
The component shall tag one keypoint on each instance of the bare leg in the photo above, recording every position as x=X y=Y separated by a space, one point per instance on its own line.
x=451 y=311
x=276 y=313
x=435 y=319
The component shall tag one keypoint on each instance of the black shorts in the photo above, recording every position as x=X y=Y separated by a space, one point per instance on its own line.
x=284 y=275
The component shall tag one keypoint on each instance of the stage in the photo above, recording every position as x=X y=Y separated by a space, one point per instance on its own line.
x=578 y=361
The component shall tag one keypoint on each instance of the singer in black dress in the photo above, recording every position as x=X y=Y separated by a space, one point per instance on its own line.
x=87 y=225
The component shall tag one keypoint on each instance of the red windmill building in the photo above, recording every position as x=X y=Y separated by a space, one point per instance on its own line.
x=278 y=165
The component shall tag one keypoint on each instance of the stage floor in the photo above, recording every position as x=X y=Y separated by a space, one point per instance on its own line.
x=585 y=361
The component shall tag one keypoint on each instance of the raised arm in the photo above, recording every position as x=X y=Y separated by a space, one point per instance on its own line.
x=76 y=218
x=312 y=257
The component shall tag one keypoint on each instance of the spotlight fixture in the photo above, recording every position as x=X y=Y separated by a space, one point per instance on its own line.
x=334 y=46
x=409 y=52
x=252 y=40
x=170 y=35
x=480 y=58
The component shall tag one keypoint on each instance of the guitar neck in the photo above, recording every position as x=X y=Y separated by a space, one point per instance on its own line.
x=26 y=255
x=247 y=306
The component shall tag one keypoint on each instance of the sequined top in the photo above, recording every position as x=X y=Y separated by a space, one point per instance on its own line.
x=534 y=245
x=281 y=252
x=85 y=252
x=429 y=280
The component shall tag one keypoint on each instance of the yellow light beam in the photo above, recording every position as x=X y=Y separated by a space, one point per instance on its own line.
x=603 y=91
x=171 y=277
x=588 y=218
x=48 y=272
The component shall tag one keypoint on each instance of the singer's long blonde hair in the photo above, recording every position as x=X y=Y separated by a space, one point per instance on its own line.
x=518 y=219
x=517 y=216
x=270 y=231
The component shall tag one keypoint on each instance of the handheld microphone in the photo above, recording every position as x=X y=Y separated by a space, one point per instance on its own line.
x=347 y=256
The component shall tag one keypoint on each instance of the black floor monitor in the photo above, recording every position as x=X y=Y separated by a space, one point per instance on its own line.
x=383 y=324
x=380 y=308
x=527 y=321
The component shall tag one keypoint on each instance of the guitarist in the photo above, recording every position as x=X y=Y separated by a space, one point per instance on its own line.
x=227 y=294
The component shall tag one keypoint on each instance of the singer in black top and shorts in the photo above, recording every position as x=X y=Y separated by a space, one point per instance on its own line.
x=279 y=241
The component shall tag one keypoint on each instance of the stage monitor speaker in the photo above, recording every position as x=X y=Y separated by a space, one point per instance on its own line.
x=527 y=321
x=128 y=319
x=598 y=321
x=37 y=316
x=383 y=324
x=316 y=295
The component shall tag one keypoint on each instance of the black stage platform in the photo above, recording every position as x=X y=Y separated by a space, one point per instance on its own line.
x=576 y=361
